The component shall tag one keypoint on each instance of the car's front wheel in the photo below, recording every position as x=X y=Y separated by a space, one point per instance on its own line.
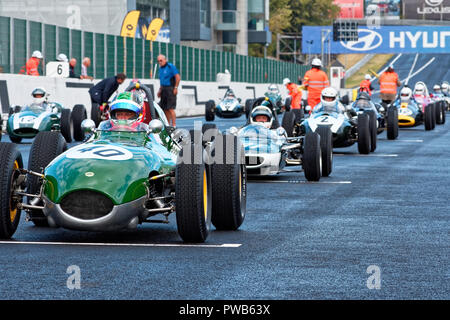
x=10 y=161
x=192 y=195
x=326 y=146
x=209 y=110
x=312 y=157
x=229 y=184
x=392 y=123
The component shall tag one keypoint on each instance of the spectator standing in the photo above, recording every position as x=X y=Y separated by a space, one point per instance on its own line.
x=102 y=91
x=169 y=78
x=86 y=63
x=72 y=64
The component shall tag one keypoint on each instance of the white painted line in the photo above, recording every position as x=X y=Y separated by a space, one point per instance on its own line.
x=420 y=141
x=421 y=69
x=393 y=61
x=225 y=245
x=300 y=181
x=411 y=70
x=365 y=155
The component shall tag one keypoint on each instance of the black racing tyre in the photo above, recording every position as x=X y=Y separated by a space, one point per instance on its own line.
x=78 y=115
x=1 y=125
x=209 y=110
x=326 y=147
x=193 y=197
x=288 y=123
x=312 y=157
x=373 y=130
x=15 y=139
x=248 y=107
x=392 y=122
x=299 y=114
x=46 y=146
x=428 y=118
x=443 y=107
x=433 y=115
x=440 y=113
x=287 y=103
x=10 y=160
x=66 y=125
x=96 y=114
x=363 y=133
x=229 y=184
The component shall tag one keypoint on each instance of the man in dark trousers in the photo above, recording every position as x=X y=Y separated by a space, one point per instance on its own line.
x=101 y=92
x=169 y=78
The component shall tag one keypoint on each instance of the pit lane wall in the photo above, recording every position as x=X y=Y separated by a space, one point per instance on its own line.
x=192 y=96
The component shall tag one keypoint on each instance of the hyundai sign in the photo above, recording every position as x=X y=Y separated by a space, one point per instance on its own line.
x=385 y=39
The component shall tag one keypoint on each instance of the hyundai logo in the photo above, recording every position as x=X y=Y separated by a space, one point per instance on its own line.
x=367 y=40
x=433 y=3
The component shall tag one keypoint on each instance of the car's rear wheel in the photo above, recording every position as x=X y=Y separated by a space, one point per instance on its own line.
x=392 y=122
x=66 y=125
x=440 y=112
x=312 y=157
x=229 y=184
x=299 y=114
x=326 y=147
x=373 y=130
x=363 y=134
x=287 y=103
x=46 y=146
x=96 y=114
x=10 y=161
x=78 y=115
x=428 y=117
x=248 y=107
x=209 y=110
x=193 y=198
x=288 y=123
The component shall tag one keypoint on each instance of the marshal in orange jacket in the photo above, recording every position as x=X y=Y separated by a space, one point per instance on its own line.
x=315 y=80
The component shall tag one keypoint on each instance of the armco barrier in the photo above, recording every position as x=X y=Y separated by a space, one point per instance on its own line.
x=16 y=89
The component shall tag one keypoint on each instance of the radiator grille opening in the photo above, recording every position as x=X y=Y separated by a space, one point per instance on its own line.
x=86 y=204
x=253 y=161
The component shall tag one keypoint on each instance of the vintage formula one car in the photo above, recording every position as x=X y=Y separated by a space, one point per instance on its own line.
x=229 y=107
x=27 y=121
x=268 y=149
x=415 y=108
x=347 y=126
x=274 y=94
x=120 y=178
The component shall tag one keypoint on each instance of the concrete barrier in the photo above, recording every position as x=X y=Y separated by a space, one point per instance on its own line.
x=16 y=90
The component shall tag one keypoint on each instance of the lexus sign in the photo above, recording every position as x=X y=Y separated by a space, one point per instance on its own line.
x=427 y=9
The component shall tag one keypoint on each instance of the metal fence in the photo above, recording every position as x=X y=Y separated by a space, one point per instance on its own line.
x=136 y=57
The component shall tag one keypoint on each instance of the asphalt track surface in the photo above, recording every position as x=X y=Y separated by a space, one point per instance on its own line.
x=299 y=240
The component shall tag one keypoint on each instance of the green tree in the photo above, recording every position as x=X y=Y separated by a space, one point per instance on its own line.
x=311 y=12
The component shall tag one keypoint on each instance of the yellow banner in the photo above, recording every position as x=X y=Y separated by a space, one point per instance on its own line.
x=153 y=29
x=129 y=24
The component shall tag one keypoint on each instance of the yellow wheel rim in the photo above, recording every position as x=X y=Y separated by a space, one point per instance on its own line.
x=13 y=213
x=205 y=196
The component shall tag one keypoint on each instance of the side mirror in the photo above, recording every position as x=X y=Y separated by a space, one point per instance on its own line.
x=349 y=108
x=233 y=130
x=88 y=126
x=281 y=132
x=239 y=99
x=308 y=108
x=155 y=126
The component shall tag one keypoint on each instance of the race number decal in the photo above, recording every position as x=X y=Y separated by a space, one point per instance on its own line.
x=27 y=120
x=100 y=152
x=325 y=120
x=57 y=69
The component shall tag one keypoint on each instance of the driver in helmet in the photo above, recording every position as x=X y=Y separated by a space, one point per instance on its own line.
x=230 y=94
x=329 y=102
x=262 y=115
x=437 y=90
x=445 y=88
x=406 y=94
x=419 y=90
x=125 y=113
x=274 y=88
x=39 y=95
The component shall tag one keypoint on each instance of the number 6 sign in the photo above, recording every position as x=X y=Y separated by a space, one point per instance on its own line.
x=57 y=69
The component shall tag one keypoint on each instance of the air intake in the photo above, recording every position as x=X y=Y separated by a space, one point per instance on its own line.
x=86 y=205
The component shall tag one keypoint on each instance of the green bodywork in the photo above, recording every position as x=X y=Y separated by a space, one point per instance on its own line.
x=33 y=119
x=276 y=101
x=122 y=180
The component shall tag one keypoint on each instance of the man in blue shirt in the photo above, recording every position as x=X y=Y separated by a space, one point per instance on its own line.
x=169 y=78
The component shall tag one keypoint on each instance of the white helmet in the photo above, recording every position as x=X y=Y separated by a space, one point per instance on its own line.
x=419 y=88
x=329 y=93
x=367 y=77
x=405 y=94
x=39 y=94
x=62 y=57
x=37 y=54
x=286 y=81
x=316 y=62
x=437 y=88
x=262 y=112
x=444 y=87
